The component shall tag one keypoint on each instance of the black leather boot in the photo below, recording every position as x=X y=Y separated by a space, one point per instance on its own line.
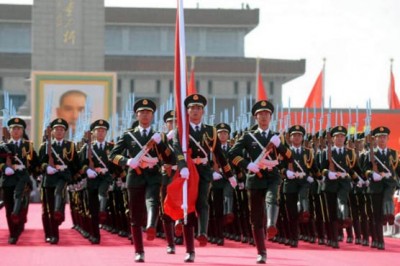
x=259 y=238
x=188 y=233
x=138 y=243
x=272 y=216
x=152 y=218
x=169 y=236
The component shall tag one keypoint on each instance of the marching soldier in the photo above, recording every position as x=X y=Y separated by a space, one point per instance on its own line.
x=381 y=168
x=203 y=141
x=168 y=171
x=140 y=148
x=338 y=164
x=60 y=163
x=298 y=177
x=98 y=170
x=15 y=179
x=221 y=190
x=263 y=148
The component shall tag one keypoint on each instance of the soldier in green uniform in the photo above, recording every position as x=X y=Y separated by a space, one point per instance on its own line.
x=99 y=172
x=221 y=191
x=298 y=177
x=338 y=173
x=168 y=171
x=60 y=163
x=140 y=148
x=381 y=168
x=263 y=148
x=203 y=142
x=15 y=178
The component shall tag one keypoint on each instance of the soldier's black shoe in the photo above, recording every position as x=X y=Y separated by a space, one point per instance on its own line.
x=261 y=258
x=220 y=242
x=189 y=257
x=12 y=240
x=251 y=241
x=311 y=240
x=381 y=246
x=321 y=241
x=170 y=249
x=179 y=240
x=365 y=242
x=1 y=204
x=245 y=239
x=47 y=239
x=374 y=244
x=349 y=239
x=294 y=243
x=237 y=238
x=340 y=238
x=54 y=240
x=357 y=241
x=202 y=240
x=335 y=244
x=94 y=240
x=139 y=257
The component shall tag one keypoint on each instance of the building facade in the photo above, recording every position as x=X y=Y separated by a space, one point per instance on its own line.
x=137 y=44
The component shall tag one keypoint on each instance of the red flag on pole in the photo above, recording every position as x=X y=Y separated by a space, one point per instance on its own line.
x=192 y=83
x=315 y=97
x=261 y=95
x=394 y=102
x=180 y=191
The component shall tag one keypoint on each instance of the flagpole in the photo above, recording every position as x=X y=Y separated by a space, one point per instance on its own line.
x=257 y=77
x=323 y=82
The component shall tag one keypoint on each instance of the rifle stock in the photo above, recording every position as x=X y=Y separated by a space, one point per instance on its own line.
x=47 y=139
x=329 y=151
x=371 y=153
x=88 y=138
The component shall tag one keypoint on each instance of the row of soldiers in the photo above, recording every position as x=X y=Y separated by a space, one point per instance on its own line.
x=270 y=182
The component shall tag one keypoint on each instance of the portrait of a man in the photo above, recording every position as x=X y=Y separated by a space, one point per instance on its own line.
x=71 y=104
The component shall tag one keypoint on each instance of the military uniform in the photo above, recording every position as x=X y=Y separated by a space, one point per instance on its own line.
x=382 y=184
x=66 y=166
x=143 y=178
x=98 y=179
x=337 y=186
x=15 y=180
x=168 y=171
x=298 y=177
x=203 y=141
x=263 y=186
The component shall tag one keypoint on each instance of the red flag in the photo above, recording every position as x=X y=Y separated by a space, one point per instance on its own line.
x=393 y=99
x=261 y=94
x=192 y=84
x=175 y=191
x=315 y=97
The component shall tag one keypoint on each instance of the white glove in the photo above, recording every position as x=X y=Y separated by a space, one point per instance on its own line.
x=171 y=134
x=216 y=176
x=276 y=140
x=241 y=185
x=39 y=178
x=233 y=181
x=376 y=177
x=310 y=179
x=51 y=170
x=132 y=163
x=360 y=182
x=9 y=171
x=253 y=167
x=332 y=175
x=184 y=173
x=156 y=137
x=290 y=174
x=90 y=173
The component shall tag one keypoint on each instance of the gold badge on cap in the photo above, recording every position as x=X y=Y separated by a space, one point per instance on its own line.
x=145 y=102
x=16 y=120
x=297 y=127
x=223 y=125
x=59 y=120
x=172 y=113
x=195 y=97
x=381 y=129
x=263 y=103
x=101 y=122
x=340 y=128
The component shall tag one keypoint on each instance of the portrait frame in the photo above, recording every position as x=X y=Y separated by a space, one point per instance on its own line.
x=100 y=85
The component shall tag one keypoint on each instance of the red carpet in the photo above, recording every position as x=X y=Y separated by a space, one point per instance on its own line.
x=73 y=249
